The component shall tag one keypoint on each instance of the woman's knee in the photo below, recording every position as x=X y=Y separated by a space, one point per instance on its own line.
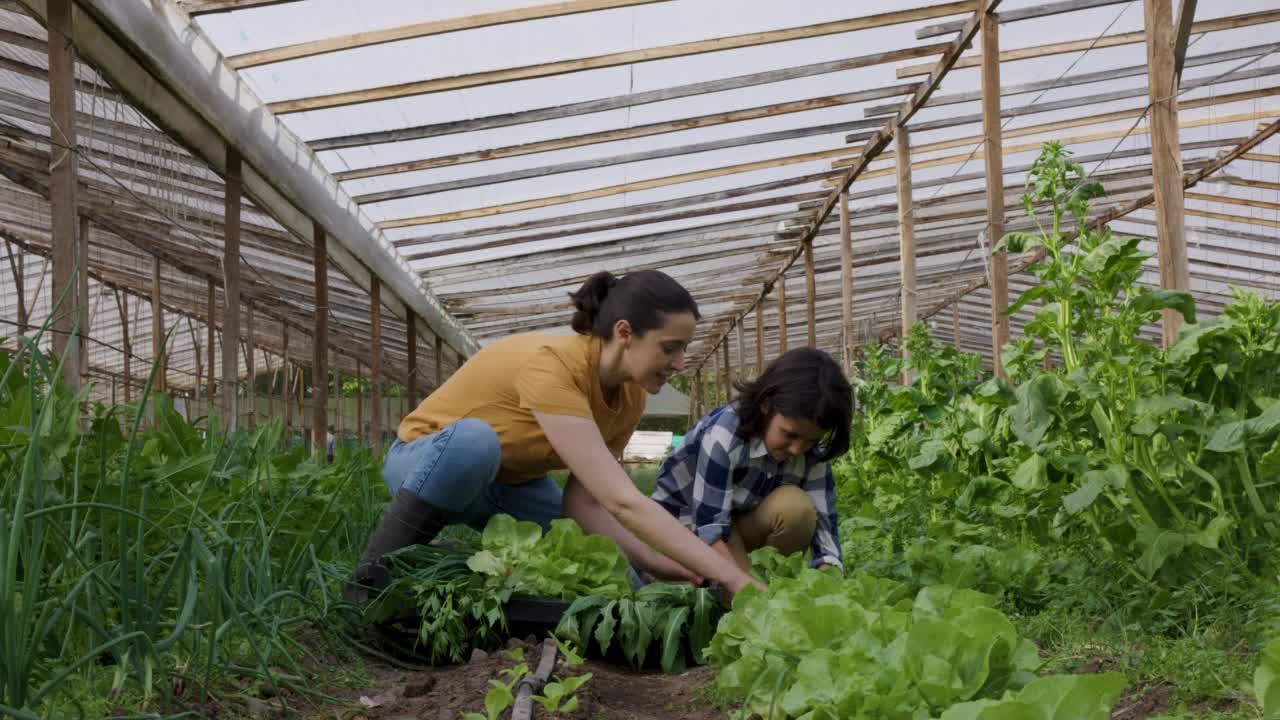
x=453 y=467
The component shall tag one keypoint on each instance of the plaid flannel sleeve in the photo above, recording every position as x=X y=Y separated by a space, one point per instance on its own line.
x=712 y=496
x=821 y=487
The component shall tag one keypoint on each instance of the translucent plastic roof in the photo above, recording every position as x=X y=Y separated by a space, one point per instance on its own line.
x=511 y=149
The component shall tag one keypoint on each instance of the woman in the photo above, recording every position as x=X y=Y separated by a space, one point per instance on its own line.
x=483 y=442
x=758 y=472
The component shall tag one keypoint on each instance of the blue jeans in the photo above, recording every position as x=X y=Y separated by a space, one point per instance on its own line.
x=454 y=470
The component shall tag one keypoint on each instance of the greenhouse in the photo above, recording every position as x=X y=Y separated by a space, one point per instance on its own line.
x=347 y=346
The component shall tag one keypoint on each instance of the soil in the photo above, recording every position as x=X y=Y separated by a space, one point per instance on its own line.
x=1143 y=701
x=614 y=692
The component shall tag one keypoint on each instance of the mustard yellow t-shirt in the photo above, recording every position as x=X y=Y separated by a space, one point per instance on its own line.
x=507 y=381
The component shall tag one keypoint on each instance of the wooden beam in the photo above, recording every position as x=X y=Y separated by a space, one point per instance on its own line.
x=810 y=291
x=285 y=368
x=370 y=38
x=439 y=362
x=608 y=161
x=1229 y=200
x=648 y=130
x=846 y=281
x=1166 y=156
x=231 y=295
x=209 y=7
x=1182 y=37
x=781 y=286
x=210 y=342
x=1105 y=41
x=994 y=159
x=629 y=57
x=375 y=362
x=906 y=233
x=122 y=305
x=1026 y=13
x=613 y=189
x=82 y=294
x=161 y=356
x=759 y=341
x=62 y=191
x=411 y=337
x=320 y=345
x=251 y=369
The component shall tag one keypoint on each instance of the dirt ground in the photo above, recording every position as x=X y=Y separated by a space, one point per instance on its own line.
x=613 y=693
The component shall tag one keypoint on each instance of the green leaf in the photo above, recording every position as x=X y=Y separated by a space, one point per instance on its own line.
x=1228 y=437
x=1032 y=474
x=1266 y=680
x=498 y=699
x=1213 y=532
x=673 y=640
x=1032 y=416
x=1108 y=253
x=1161 y=546
x=1153 y=300
x=1017 y=242
x=928 y=454
x=605 y=630
x=1031 y=295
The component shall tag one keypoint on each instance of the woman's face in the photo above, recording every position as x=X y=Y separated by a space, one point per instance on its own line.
x=788 y=437
x=651 y=359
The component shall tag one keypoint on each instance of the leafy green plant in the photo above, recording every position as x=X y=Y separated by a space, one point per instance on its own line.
x=1078 y=697
x=1266 y=680
x=558 y=696
x=501 y=695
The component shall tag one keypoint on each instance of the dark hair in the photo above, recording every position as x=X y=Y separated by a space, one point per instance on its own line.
x=801 y=383
x=641 y=298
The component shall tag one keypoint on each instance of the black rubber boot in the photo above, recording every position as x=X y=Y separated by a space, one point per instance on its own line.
x=408 y=520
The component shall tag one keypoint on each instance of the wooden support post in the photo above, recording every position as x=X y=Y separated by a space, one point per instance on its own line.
x=375 y=360
x=82 y=293
x=759 y=338
x=412 y=332
x=122 y=303
x=782 y=313
x=728 y=371
x=231 y=295
x=211 y=340
x=62 y=188
x=251 y=389
x=1166 y=157
x=906 y=234
x=284 y=383
x=161 y=357
x=320 y=344
x=993 y=152
x=846 y=279
x=955 y=325
x=17 y=266
x=439 y=362
x=360 y=434
x=700 y=388
x=742 y=353
x=811 y=294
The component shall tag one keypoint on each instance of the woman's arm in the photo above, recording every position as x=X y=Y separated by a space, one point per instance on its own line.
x=591 y=515
x=578 y=442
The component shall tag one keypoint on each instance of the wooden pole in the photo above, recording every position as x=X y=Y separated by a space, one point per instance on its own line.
x=18 y=265
x=375 y=360
x=251 y=390
x=62 y=187
x=412 y=332
x=782 y=313
x=759 y=339
x=955 y=325
x=320 y=344
x=994 y=157
x=846 y=279
x=810 y=294
x=157 y=328
x=699 y=388
x=231 y=295
x=439 y=361
x=82 y=293
x=728 y=371
x=742 y=353
x=1166 y=157
x=211 y=340
x=906 y=234
x=122 y=302
x=360 y=434
x=284 y=382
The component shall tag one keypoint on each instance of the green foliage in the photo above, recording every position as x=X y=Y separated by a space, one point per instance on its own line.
x=1061 y=697
x=565 y=563
x=1266 y=681
x=822 y=646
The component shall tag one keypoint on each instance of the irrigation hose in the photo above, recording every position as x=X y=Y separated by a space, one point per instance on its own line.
x=523 y=709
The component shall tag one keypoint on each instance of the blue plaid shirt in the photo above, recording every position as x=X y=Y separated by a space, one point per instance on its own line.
x=716 y=474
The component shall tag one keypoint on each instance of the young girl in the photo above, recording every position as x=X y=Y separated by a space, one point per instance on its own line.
x=757 y=472
x=483 y=443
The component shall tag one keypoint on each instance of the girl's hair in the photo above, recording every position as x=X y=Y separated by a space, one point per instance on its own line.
x=641 y=298
x=801 y=383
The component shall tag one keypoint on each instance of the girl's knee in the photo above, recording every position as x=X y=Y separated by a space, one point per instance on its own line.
x=795 y=517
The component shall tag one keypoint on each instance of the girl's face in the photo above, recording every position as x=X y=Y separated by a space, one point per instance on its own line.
x=787 y=437
x=653 y=358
